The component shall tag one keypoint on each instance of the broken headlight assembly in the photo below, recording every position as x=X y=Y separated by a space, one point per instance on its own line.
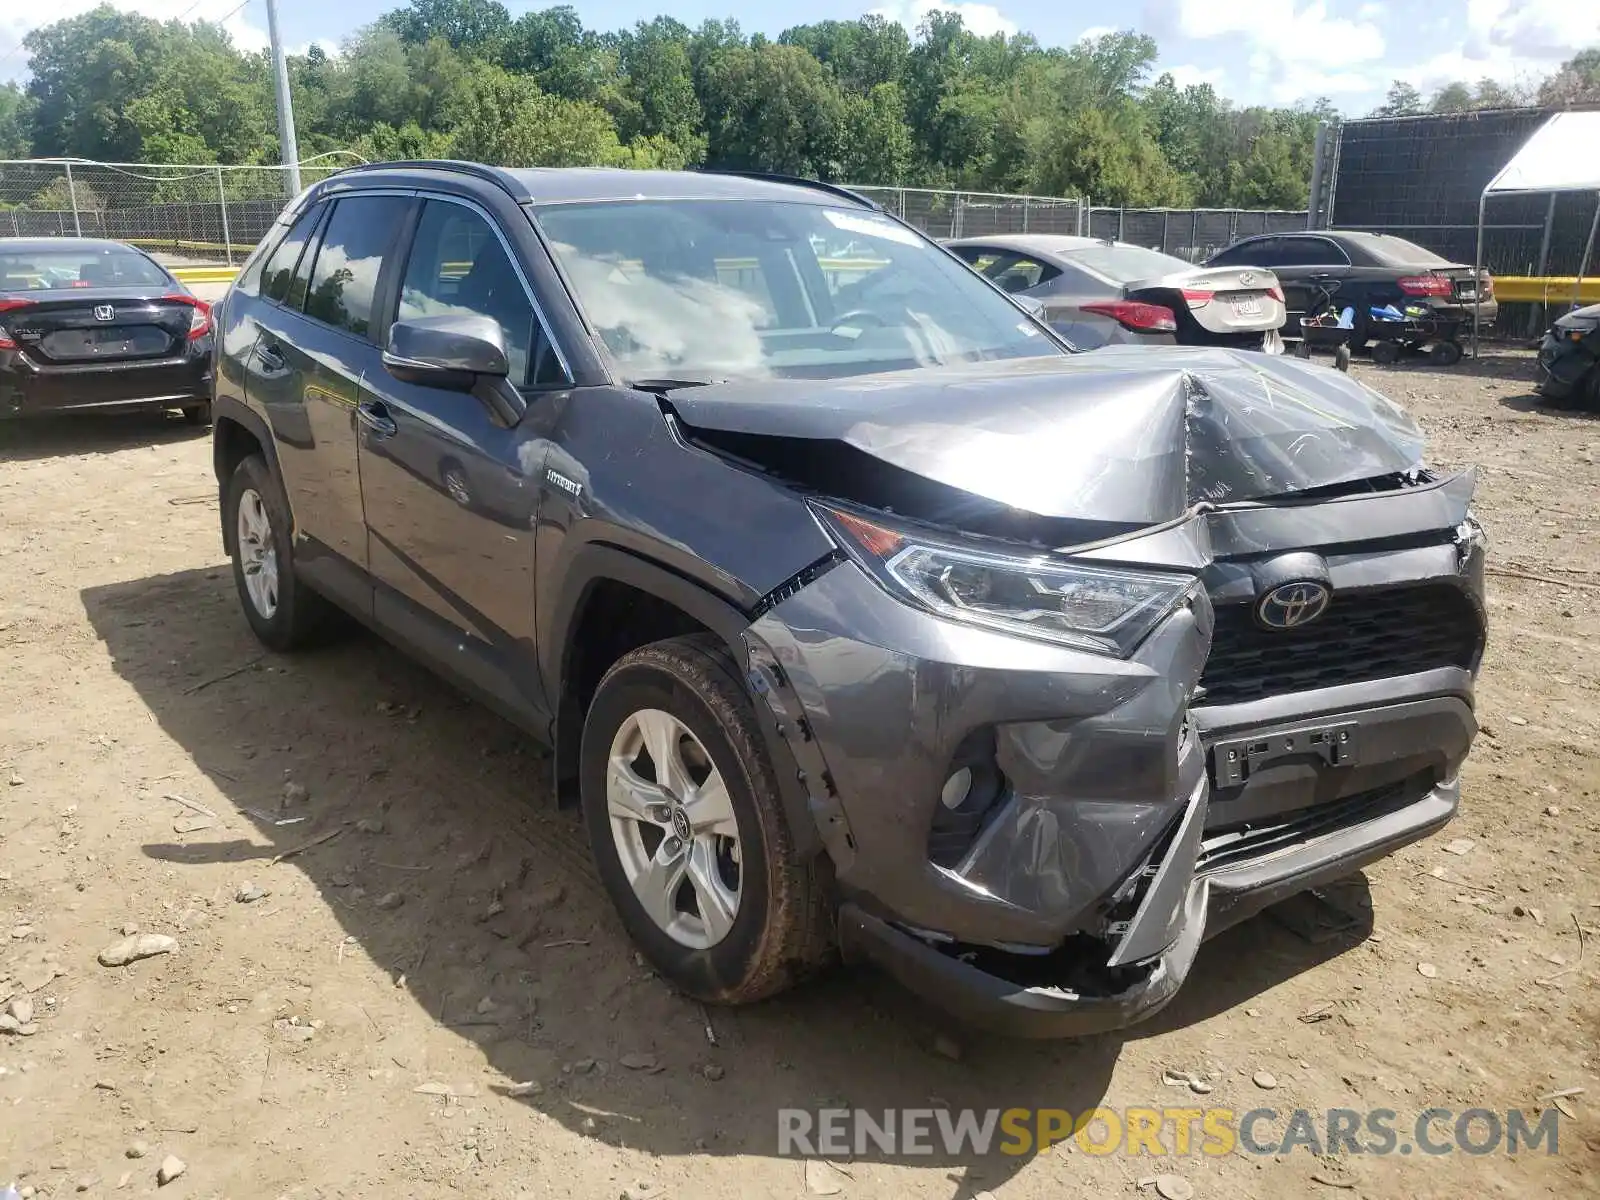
x=1007 y=588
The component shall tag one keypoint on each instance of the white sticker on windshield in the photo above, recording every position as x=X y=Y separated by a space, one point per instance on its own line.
x=870 y=226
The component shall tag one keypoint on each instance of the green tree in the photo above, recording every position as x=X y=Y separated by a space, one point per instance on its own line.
x=1403 y=100
x=771 y=107
x=16 y=122
x=507 y=119
x=1577 y=82
x=476 y=26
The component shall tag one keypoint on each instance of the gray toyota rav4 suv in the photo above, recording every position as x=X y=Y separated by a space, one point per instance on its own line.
x=864 y=616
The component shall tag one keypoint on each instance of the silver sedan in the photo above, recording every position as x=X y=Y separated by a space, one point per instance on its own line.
x=1100 y=292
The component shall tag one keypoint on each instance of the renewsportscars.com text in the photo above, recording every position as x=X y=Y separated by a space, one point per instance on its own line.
x=1163 y=1132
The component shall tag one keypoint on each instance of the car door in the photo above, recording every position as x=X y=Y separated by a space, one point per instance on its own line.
x=1311 y=270
x=312 y=348
x=450 y=494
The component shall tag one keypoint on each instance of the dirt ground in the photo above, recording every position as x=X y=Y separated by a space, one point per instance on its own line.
x=355 y=1032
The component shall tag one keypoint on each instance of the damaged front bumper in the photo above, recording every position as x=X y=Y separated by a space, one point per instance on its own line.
x=1147 y=802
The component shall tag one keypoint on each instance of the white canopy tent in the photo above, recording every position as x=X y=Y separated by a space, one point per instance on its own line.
x=1563 y=155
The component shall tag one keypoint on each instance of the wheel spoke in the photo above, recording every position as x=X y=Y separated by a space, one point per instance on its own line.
x=661 y=734
x=709 y=808
x=657 y=885
x=718 y=905
x=627 y=796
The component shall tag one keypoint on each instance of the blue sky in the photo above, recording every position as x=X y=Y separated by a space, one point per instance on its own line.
x=1252 y=51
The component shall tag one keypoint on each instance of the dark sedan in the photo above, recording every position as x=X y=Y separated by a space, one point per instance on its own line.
x=1364 y=271
x=92 y=325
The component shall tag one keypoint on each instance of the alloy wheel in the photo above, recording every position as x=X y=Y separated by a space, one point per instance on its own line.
x=674 y=828
x=258 y=553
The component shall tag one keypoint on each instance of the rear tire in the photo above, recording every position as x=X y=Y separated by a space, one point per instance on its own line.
x=284 y=613
x=197 y=414
x=1385 y=352
x=1445 y=354
x=719 y=901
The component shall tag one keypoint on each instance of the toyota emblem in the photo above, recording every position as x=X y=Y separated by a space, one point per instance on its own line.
x=1292 y=605
x=1247 y=277
x=104 y=312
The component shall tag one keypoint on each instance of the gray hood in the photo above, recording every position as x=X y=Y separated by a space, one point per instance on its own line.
x=1128 y=434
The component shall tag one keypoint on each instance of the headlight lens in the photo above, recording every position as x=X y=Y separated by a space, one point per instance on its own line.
x=1103 y=609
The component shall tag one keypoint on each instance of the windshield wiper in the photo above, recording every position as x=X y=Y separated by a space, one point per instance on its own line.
x=661 y=386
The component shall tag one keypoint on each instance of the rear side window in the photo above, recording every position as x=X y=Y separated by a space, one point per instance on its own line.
x=1308 y=252
x=458 y=265
x=1015 y=272
x=344 y=281
x=279 y=272
x=1251 y=254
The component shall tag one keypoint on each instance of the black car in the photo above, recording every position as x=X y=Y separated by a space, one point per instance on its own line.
x=93 y=325
x=864 y=617
x=1569 y=358
x=1364 y=271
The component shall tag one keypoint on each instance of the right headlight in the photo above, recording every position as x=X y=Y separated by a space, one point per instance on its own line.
x=1104 y=609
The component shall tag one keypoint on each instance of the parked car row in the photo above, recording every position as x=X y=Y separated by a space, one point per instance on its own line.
x=1393 y=293
x=864 y=616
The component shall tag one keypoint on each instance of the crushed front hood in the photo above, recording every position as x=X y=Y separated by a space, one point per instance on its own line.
x=1128 y=434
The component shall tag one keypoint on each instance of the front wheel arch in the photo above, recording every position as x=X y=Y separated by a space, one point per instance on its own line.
x=600 y=577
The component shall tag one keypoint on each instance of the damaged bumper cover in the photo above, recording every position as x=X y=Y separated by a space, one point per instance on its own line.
x=1146 y=802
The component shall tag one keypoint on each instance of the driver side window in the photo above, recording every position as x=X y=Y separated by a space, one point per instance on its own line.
x=458 y=265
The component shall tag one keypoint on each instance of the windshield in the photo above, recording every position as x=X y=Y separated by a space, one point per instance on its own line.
x=1397 y=252
x=49 y=268
x=1124 y=264
x=704 y=290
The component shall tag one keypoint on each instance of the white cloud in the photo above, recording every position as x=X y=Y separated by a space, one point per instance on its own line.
x=1295 y=50
x=1514 y=42
x=1189 y=75
x=981 y=19
x=17 y=19
x=1095 y=32
x=1287 y=30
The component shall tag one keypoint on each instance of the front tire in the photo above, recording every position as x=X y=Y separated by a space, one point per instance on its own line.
x=688 y=831
x=283 y=612
x=197 y=414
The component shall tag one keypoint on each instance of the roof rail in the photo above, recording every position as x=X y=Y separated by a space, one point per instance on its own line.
x=499 y=176
x=832 y=189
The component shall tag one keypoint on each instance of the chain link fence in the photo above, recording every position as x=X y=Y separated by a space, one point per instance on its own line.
x=1194 y=234
x=200 y=213
x=956 y=214
x=216 y=214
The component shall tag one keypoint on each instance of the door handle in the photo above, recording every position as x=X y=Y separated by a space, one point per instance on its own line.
x=271 y=358
x=375 y=416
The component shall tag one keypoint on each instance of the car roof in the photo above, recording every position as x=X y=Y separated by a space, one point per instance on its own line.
x=1034 y=243
x=36 y=245
x=1365 y=247
x=562 y=185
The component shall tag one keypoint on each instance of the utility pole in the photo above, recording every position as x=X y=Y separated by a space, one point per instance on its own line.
x=280 y=80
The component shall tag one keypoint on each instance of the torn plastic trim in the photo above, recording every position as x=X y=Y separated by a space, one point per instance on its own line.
x=790 y=586
x=769 y=684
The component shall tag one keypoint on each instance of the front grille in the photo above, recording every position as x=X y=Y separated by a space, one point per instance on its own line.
x=1362 y=636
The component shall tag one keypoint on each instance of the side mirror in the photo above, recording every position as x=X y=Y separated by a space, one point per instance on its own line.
x=453 y=351
x=461 y=352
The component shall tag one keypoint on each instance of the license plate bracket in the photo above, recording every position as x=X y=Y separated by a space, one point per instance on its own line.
x=1235 y=760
